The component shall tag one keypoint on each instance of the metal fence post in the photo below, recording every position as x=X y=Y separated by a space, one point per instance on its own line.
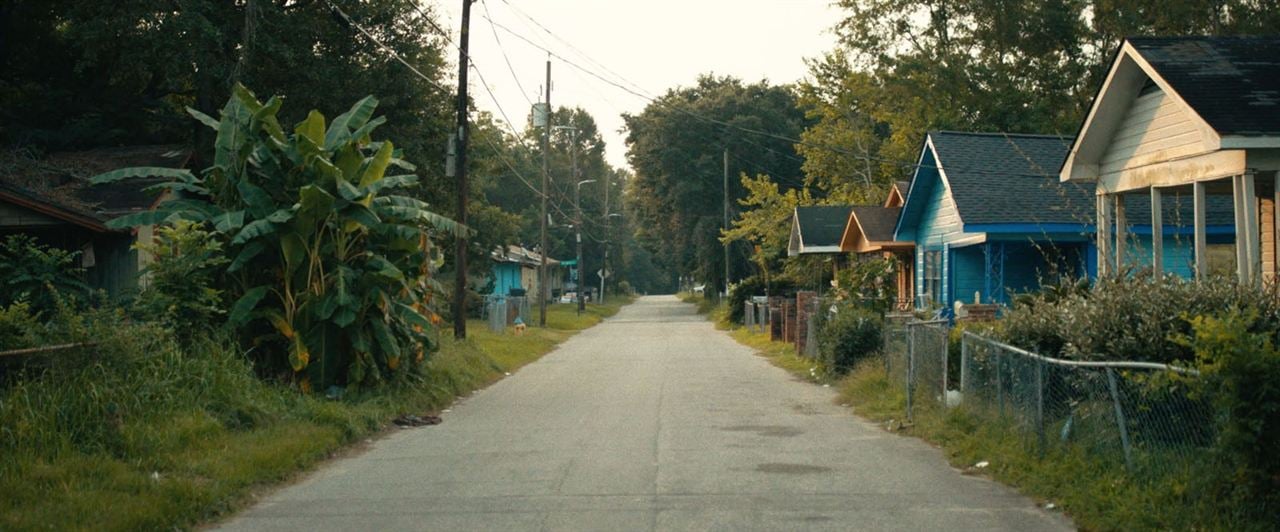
x=964 y=361
x=911 y=365
x=1120 y=421
x=1000 y=379
x=1040 y=405
x=946 y=360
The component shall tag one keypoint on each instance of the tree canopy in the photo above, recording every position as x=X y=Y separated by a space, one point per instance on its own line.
x=676 y=146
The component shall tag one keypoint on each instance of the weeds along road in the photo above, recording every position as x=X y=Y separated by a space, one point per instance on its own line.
x=652 y=420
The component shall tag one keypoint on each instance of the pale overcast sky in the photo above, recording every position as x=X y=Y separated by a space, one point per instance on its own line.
x=655 y=44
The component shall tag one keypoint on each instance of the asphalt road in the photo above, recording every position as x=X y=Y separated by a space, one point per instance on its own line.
x=652 y=420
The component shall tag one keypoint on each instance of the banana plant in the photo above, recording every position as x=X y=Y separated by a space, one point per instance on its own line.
x=331 y=266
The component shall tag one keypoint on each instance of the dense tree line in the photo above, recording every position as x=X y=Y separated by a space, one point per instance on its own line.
x=86 y=74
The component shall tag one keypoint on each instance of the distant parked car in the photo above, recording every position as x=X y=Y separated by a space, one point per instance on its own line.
x=569 y=297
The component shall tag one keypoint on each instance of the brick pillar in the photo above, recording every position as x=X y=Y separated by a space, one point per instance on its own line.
x=804 y=309
x=775 y=323
x=789 y=315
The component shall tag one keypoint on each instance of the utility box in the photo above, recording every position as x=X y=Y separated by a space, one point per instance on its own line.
x=540 y=114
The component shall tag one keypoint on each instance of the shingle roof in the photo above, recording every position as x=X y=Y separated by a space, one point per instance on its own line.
x=1233 y=83
x=822 y=225
x=999 y=178
x=877 y=222
x=1011 y=178
x=60 y=180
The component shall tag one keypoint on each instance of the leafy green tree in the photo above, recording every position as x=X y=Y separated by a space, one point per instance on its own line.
x=765 y=222
x=330 y=266
x=903 y=67
x=676 y=145
x=38 y=275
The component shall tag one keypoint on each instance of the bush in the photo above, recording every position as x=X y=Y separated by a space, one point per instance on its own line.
x=848 y=336
x=35 y=273
x=1240 y=375
x=1132 y=317
x=333 y=275
x=754 y=286
x=181 y=293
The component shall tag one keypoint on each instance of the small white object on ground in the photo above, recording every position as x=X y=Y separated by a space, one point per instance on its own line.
x=982 y=464
x=953 y=398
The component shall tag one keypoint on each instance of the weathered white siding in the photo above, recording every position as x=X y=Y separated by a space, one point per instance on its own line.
x=1155 y=128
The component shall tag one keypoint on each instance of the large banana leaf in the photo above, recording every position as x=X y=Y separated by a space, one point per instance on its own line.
x=340 y=130
x=140 y=171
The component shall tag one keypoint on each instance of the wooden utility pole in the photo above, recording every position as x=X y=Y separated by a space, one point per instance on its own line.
x=608 y=234
x=726 y=221
x=460 y=251
x=546 y=173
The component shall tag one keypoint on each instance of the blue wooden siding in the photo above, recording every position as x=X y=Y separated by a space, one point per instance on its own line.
x=970 y=270
x=506 y=276
x=1179 y=252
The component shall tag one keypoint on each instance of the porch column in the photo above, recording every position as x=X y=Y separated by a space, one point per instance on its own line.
x=1122 y=233
x=1246 y=218
x=1253 y=234
x=1157 y=233
x=1275 y=228
x=1103 y=234
x=1201 y=261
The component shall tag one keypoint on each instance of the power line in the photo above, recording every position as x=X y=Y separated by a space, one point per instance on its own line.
x=504 y=55
x=386 y=48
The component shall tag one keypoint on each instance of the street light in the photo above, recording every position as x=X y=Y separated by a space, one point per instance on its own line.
x=577 y=223
x=604 y=263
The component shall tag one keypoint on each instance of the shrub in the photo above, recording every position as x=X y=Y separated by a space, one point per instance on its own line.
x=333 y=273
x=17 y=326
x=1132 y=317
x=1240 y=375
x=848 y=336
x=754 y=286
x=181 y=291
x=35 y=273
x=868 y=283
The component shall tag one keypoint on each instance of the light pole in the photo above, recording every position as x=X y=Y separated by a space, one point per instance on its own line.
x=604 y=263
x=577 y=224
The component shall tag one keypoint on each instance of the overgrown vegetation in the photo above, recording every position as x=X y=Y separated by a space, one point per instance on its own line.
x=35 y=274
x=847 y=336
x=139 y=432
x=332 y=270
x=1225 y=331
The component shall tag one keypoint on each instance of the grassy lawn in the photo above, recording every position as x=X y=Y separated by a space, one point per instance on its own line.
x=1096 y=493
x=167 y=468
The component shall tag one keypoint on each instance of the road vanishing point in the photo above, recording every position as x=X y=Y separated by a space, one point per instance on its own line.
x=651 y=420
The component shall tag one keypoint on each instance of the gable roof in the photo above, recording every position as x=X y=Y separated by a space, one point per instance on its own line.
x=876 y=222
x=897 y=195
x=870 y=228
x=1009 y=178
x=817 y=229
x=1233 y=83
x=58 y=185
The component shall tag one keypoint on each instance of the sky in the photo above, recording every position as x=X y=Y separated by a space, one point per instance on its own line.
x=648 y=45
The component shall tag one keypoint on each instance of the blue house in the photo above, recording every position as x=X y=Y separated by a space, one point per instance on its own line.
x=515 y=272
x=989 y=217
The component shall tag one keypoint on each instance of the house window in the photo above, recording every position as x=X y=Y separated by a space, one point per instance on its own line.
x=933 y=276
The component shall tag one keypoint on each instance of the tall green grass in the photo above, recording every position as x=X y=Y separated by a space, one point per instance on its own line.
x=1095 y=491
x=136 y=433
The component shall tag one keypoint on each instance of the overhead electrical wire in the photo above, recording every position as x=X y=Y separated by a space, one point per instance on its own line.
x=640 y=93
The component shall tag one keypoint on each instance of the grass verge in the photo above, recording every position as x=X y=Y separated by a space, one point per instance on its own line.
x=1096 y=493
x=170 y=439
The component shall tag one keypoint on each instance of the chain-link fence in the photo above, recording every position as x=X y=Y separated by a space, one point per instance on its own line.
x=1139 y=415
x=501 y=311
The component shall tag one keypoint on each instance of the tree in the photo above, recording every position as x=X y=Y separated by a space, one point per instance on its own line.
x=676 y=145
x=333 y=270
x=765 y=223
x=903 y=67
